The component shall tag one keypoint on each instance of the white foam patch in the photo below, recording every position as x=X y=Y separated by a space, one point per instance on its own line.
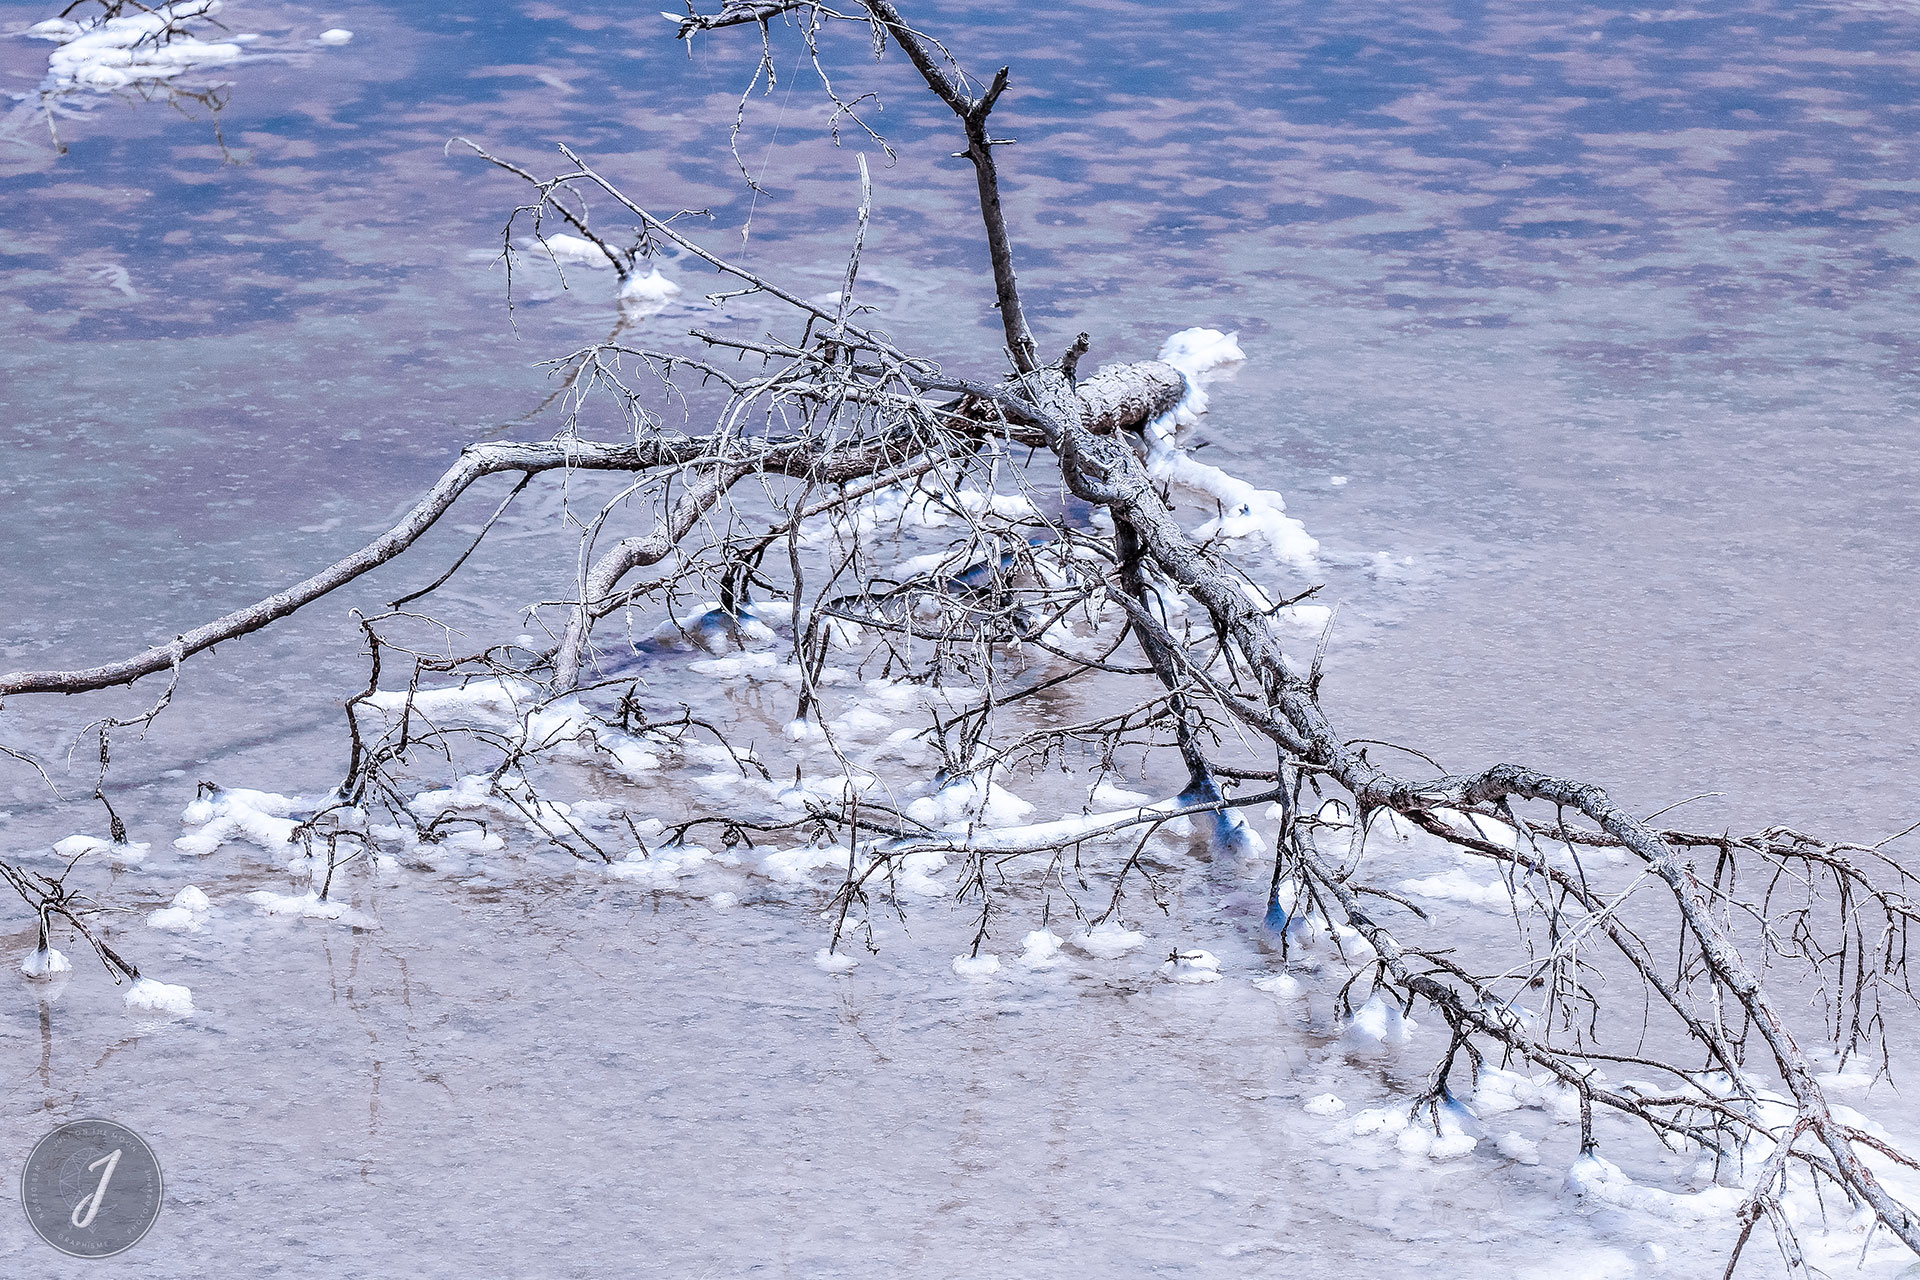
x=792 y=866
x=968 y=800
x=1326 y=1104
x=1518 y=1148
x=1442 y=1133
x=568 y=250
x=914 y=507
x=1598 y=1180
x=336 y=36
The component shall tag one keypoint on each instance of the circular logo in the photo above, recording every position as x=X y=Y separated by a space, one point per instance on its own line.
x=91 y=1188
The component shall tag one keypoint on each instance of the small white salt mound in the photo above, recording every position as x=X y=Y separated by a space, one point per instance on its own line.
x=825 y=793
x=1416 y=1135
x=724 y=900
x=834 y=962
x=159 y=999
x=1449 y=1144
x=966 y=799
x=1517 y=1148
x=1107 y=796
x=1380 y=1021
x=122 y=855
x=1599 y=1180
x=792 y=866
x=1109 y=940
x=914 y=874
x=647 y=295
x=311 y=906
x=256 y=816
x=495 y=703
x=1284 y=985
x=187 y=914
x=1191 y=967
x=336 y=35
x=1325 y=1105
x=665 y=867
x=1196 y=351
x=1310 y=619
x=44 y=962
x=1460 y=886
x=863 y=724
x=104 y=54
x=1246 y=511
x=713 y=629
x=1041 y=949
x=569 y=250
x=984 y=965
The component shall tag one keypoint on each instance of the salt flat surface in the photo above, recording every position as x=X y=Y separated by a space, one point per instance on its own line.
x=1576 y=349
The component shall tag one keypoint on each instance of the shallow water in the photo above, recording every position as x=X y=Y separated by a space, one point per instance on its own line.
x=1602 y=316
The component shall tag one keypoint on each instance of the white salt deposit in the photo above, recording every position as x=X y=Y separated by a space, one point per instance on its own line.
x=336 y=35
x=1459 y=886
x=45 y=962
x=646 y=295
x=311 y=906
x=834 y=961
x=984 y=965
x=1192 y=967
x=104 y=54
x=1325 y=1104
x=82 y=846
x=1245 y=511
x=259 y=817
x=1518 y=1148
x=159 y=999
x=1109 y=940
x=187 y=914
x=1040 y=949
x=968 y=799
x=1380 y=1021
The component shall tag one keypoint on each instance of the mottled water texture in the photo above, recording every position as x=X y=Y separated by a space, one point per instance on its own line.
x=1601 y=316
